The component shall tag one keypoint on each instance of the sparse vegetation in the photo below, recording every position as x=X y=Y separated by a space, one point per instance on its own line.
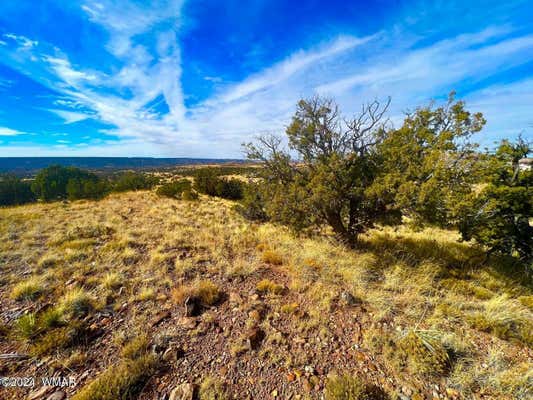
x=347 y=387
x=112 y=279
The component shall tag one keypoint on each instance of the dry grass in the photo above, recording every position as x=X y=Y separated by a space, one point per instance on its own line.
x=135 y=246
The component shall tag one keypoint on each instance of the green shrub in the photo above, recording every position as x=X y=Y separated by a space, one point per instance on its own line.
x=14 y=191
x=174 y=189
x=252 y=205
x=212 y=389
x=206 y=180
x=123 y=381
x=28 y=289
x=231 y=189
x=26 y=326
x=348 y=387
x=57 y=182
x=133 y=181
x=136 y=347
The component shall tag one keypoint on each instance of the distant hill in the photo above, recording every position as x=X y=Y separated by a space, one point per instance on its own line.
x=24 y=166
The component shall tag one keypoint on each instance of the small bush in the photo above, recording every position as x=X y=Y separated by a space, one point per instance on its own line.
x=59 y=339
x=133 y=181
x=271 y=257
x=348 y=387
x=505 y=318
x=112 y=280
x=212 y=389
x=189 y=195
x=28 y=289
x=267 y=286
x=205 y=291
x=422 y=353
x=14 y=191
x=51 y=318
x=76 y=303
x=231 y=189
x=252 y=206
x=136 y=348
x=174 y=189
x=123 y=381
x=290 y=308
x=26 y=326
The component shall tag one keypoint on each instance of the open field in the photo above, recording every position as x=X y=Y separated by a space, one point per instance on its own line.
x=98 y=291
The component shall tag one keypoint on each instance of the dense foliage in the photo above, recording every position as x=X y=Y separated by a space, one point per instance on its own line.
x=57 y=182
x=352 y=174
x=14 y=191
x=498 y=214
x=133 y=181
x=181 y=189
x=208 y=181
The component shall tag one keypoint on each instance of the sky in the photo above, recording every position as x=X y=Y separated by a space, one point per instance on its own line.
x=197 y=78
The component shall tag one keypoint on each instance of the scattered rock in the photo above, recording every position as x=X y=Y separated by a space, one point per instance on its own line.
x=254 y=337
x=38 y=394
x=235 y=298
x=187 y=322
x=182 y=392
x=193 y=307
x=349 y=299
x=160 y=316
x=172 y=354
x=291 y=377
x=59 y=395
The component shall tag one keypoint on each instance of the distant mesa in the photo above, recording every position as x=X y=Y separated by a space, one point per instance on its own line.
x=23 y=166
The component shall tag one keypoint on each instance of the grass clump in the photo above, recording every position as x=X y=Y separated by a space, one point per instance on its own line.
x=290 y=308
x=212 y=389
x=112 y=280
x=267 y=286
x=506 y=319
x=136 y=347
x=28 y=289
x=348 y=387
x=423 y=353
x=76 y=303
x=271 y=257
x=207 y=292
x=59 y=338
x=123 y=381
x=26 y=326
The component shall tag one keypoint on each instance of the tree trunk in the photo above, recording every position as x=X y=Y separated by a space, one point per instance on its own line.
x=335 y=221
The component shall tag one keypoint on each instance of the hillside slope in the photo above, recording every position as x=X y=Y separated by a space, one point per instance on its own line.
x=137 y=295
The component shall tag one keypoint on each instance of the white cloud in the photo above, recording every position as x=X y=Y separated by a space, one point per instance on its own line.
x=22 y=41
x=353 y=70
x=70 y=116
x=10 y=132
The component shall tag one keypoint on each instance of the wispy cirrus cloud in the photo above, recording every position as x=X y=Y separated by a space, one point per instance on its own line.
x=140 y=98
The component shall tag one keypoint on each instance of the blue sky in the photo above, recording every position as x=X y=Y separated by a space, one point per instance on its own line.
x=198 y=78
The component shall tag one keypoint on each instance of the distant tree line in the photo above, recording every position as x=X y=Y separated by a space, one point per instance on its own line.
x=354 y=173
x=57 y=182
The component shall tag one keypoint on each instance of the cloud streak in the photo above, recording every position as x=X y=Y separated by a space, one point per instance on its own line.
x=142 y=101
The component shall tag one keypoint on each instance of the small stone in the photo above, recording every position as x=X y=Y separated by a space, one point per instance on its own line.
x=182 y=392
x=349 y=298
x=235 y=298
x=254 y=337
x=160 y=316
x=291 y=377
x=274 y=393
x=59 y=395
x=172 y=354
x=192 y=307
x=187 y=323
x=39 y=393
x=407 y=390
x=309 y=369
x=306 y=385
